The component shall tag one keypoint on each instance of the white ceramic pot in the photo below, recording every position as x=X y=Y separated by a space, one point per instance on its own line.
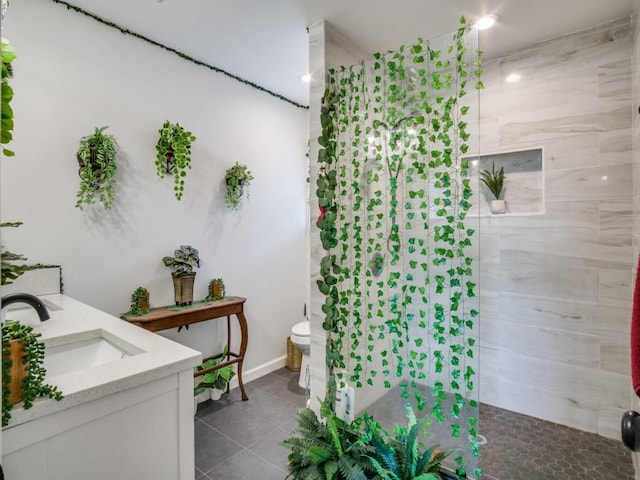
x=498 y=206
x=215 y=394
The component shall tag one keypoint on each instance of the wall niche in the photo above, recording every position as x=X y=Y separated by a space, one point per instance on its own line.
x=523 y=186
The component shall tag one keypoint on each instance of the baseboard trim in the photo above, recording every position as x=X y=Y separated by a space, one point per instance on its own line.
x=260 y=371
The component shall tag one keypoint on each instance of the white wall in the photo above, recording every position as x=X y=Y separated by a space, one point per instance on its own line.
x=73 y=74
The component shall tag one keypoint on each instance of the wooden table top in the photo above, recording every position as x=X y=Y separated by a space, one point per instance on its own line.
x=170 y=316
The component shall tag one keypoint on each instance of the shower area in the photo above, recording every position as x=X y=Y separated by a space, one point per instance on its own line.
x=419 y=296
x=399 y=275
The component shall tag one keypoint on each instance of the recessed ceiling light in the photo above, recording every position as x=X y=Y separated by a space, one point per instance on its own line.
x=487 y=21
x=514 y=77
x=306 y=77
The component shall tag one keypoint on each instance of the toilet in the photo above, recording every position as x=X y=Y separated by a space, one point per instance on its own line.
x=301 y=338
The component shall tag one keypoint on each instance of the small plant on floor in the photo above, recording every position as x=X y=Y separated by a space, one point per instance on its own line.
x=238 y=178
x=97 y=159
x=400 y=458
x=216 y=379
x=139 y=302
x=174 y=154
x=329 y=450
x=20 y=344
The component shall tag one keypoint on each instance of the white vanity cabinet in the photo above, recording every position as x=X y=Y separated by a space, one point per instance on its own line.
x=126 y=419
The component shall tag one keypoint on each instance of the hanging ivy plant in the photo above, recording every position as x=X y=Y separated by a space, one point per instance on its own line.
x=33 y=384
x=174 y=154
x=97 y=159
x=237 y=179
x=6 y=125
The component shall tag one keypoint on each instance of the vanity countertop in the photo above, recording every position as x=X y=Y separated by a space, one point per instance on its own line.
x=149 y=356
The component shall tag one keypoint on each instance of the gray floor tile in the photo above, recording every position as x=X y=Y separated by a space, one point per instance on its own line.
x=286 y=373
x=269 y=448
x=238 y=424
x=285 y=389
x=212 y=447
x=246 y=466
x=519 y=445
x=269 y=407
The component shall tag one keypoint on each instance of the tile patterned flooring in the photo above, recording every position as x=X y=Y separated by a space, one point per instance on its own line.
x=238 y=440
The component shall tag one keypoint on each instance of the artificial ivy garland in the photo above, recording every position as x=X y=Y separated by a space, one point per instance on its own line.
x=394 y=193
x=179 y=53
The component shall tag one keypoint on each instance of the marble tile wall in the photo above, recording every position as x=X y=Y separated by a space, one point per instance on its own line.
x=556 y=288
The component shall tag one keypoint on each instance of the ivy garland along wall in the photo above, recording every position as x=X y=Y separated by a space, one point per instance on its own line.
x=401 y=305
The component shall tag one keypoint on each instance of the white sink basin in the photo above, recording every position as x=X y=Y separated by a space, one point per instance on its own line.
x=72 y=354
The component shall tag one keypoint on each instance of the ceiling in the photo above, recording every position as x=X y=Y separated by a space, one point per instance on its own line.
x=266 y=42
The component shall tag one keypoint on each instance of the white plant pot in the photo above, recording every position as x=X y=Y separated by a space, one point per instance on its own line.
x=498 y=206
x=215 y=394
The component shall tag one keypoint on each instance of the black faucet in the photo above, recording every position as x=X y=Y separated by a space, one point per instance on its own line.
x=29 y=299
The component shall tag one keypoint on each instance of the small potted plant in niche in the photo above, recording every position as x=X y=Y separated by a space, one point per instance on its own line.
x=238 y=178
x=216 y=289
x=97 y=159
x=494 y=180
x=216 y=380
x=174 y=154
x=185 y=259
x=139 y=302
x=23 y=376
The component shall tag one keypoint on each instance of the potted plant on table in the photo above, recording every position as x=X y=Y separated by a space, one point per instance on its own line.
x=97 y=159
x=216 y=290
x=185 y=259
x=494 y=180
x=174 y=154
x=238 y=178
x=139 y=302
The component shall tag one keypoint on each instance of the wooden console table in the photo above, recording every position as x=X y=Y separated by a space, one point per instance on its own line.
x=171 y=316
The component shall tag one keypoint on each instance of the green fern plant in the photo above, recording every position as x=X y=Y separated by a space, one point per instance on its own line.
x=494 y=180
x=329 y=450
x=400 y=458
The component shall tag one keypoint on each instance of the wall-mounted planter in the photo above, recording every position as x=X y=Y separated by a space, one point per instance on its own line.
x=237 y=179
x=174 y=154
x=97 y=160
